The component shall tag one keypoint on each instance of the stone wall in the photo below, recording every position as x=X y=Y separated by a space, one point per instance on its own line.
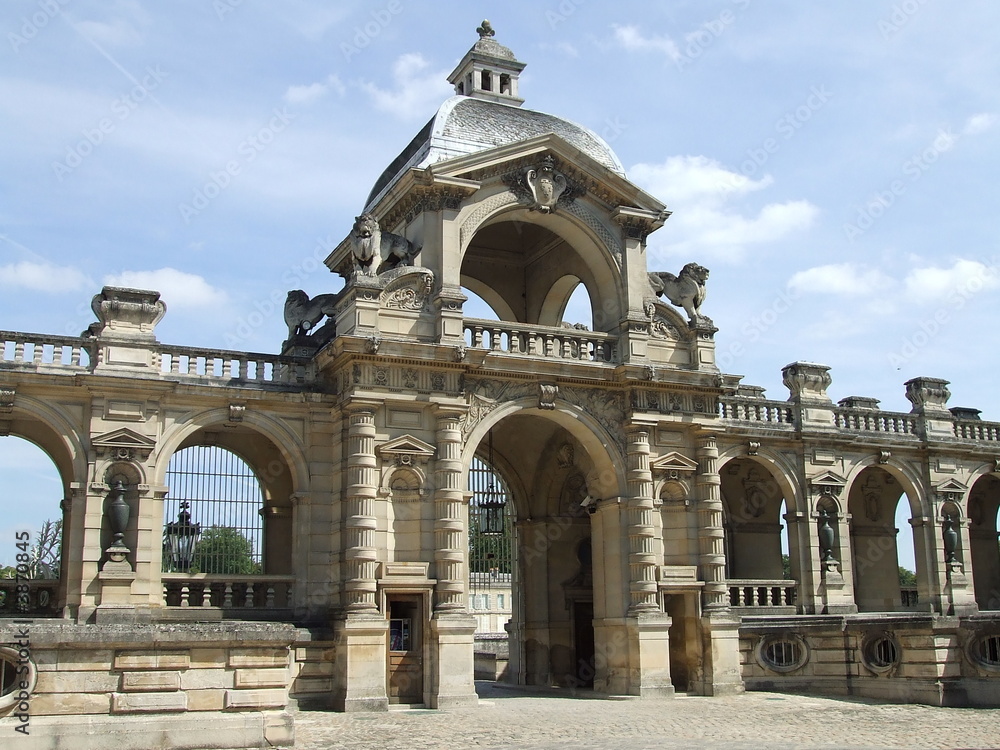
x=903 y=658
x=153 y=686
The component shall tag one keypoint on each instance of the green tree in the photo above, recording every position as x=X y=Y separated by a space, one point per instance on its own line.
x=907 y=577
x=786 y=568
x=224 y=551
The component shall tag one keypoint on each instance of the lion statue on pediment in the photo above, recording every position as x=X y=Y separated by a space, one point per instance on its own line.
x=686 y=290
x=376 y=251
x=302 y=313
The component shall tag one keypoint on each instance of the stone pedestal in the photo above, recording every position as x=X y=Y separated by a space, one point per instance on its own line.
x=649 y=652
x=359 y=679
x=721 y=673
x=452 y=646
x=836 y=596
x=959 y=593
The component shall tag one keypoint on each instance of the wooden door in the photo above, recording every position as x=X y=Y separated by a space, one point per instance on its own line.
x=405 y=659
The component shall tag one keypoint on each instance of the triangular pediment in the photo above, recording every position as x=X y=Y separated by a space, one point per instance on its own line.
x=951 y=485
x=614 y=188
x=674 y=462
x=407 y=445
x=828 y=483
x=124 y=443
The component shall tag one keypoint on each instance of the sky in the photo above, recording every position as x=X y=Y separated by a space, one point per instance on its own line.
x=833 y=165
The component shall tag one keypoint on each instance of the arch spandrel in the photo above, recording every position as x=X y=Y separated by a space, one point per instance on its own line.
x=908 y=476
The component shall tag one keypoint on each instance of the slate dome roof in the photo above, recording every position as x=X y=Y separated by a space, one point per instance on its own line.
x=465 y=125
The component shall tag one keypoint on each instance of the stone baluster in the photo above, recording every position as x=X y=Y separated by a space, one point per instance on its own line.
x=362 y=485
x=642 y=562
x=711 y=536
x=450 y=513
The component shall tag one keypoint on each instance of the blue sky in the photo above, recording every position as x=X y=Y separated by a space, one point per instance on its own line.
x=832 y=164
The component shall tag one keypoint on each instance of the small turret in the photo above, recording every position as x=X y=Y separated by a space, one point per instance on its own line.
x=488 y=71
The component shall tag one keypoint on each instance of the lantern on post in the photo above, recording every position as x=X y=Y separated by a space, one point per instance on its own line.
x=492 y=503
x=181 y=537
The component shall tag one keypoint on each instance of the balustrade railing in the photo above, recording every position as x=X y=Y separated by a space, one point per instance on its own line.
x=864 y=420
x=755 y=410
x=541 y=341
x=38 y=351
x=202 y=590
x=974 y=429
x=34 y=598
x=212 y=364
x=762 y=593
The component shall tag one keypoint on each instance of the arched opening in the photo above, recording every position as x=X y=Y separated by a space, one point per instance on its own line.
x=753 y=506
x=234 y=487
x=32 y=522
x=984 y=505
x=491 y=549
x=486 y=79
x=878 y=512
x=542 y=271
x=222 y=499
x=544 y=466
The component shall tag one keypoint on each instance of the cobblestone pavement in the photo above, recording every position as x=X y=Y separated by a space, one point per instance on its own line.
x=511 y=718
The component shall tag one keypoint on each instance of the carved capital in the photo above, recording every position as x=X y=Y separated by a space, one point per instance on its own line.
x=236 y=412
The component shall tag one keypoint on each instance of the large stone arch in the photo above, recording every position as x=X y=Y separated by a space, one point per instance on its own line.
x=980 y=535
x=559 y=586
x=752 y=514
x=595 y=262
x=284 y=440
x=53 y=430
x=874 y=537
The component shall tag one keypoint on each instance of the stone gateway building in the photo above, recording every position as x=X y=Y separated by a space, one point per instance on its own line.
x=243 y=532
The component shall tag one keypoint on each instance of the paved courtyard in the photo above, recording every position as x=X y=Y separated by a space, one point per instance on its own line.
x=509 y=718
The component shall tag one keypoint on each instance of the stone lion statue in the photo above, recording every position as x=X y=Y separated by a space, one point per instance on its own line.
x=376 y=251
x=302 y=313
x=686 y=290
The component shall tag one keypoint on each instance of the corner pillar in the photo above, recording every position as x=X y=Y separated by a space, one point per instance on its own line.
x=452 y=628
x=720 y=670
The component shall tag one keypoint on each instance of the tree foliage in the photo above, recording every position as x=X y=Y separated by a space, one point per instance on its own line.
x=224 y=551
x=907 y=577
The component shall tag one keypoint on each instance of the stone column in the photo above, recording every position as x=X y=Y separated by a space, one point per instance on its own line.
x=720 y=673
x=452 y=628
x=451 y=512
x=359 y=525
x=359 y=678
x=642 y=563
x=711 y=536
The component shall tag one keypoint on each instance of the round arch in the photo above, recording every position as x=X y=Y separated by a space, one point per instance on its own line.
x=592 y=262
x=779 y=467
x=283 y=439
x=52 y=431
x=598 y=442
x=908 y=480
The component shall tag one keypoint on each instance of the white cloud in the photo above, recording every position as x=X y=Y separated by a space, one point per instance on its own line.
x=309 y=93
x=632 y=39
x=417 y=92
x=179 y=290
x=43 y=277
x=701 y=192
x=964 y=278
x=979 y=123
x=843 y=279
x=123 y=30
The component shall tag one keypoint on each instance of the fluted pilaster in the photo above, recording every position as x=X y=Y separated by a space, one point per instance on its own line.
x=450 y=505
x=360 y=555
x=642 y=562
x=711 y=536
